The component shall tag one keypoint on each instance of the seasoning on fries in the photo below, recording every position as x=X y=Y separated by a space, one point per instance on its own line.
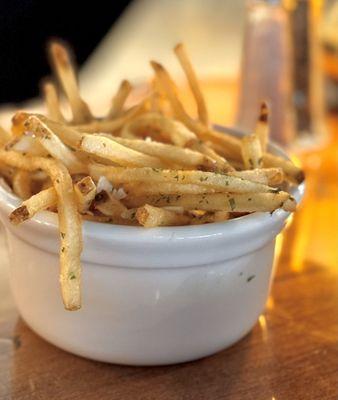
x=149 y=165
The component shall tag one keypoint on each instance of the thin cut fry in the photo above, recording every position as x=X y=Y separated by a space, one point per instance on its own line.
x=183 y=58
x=220 y=201
x=69 y=221
x=266 y=176
x=293 y=173
x=85 y=191
x=119 y=99
x=220 y=182
x=39 y=202
x=22 y=184
x=262 y=127
x=150 y=217
x=252 y=152
x=65 y=71
x=52 y=101
x=110 y=150
x=170 y=153
x=164 y=188
x=54 y=145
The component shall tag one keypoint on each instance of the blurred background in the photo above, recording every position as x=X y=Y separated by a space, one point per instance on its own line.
x=284 y=52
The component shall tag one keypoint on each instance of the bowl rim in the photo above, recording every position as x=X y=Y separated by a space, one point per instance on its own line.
x=242 y=224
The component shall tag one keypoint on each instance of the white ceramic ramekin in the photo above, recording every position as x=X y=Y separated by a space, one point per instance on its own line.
x=150 y=296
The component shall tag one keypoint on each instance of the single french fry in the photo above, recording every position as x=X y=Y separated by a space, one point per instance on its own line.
x=190 y=74
x=85 y=191
x=266 y=176
x=292 y=172
x=164 y=188
x=262 y=127
x=253 y=202
x=69 y=221
x=22 y=184
x=55 y=147
x=150 y=217
x=209 y=180
x=38 y=202
x=110 y=150
x=52 y=102
x=119 y=99
x=65 y=71
x=252 y=152
x=169 y=153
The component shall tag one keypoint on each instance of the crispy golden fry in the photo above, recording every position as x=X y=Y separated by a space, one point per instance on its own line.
x=266 y=176
x=85 y=191
x=65 y=71
x=183 y=58
x=169 y=129
x=22 y=184
x=220 y=182
x=150 y=188
x=150 y=217
x=110 y=150
x=219 y=201
x=119 y=99
x=169 y=153
x=39 y=202
x=54 y=145
x=262 y=127
x=69 y=221
x=292 y=172
x=52 y=102
x=252 y=152
x=4 y=136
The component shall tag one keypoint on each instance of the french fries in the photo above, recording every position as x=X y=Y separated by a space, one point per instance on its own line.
x=253 y=202
x=169 y=153
x=69 y=221
x=183 y=58
x=262 y=127
x=119 y=99
x=52 y=102
x=252 y=152
x=22 y=184
x=111 y=150
x=85 y=191
x=62 y=63
x=151 y=165
x=150 y=217
x=221 y=182
x=38 y=202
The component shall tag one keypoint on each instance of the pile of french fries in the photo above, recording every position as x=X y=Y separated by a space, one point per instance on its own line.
x=148 y=165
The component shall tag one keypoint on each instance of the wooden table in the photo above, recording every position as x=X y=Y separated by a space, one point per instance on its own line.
x=292 y=352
